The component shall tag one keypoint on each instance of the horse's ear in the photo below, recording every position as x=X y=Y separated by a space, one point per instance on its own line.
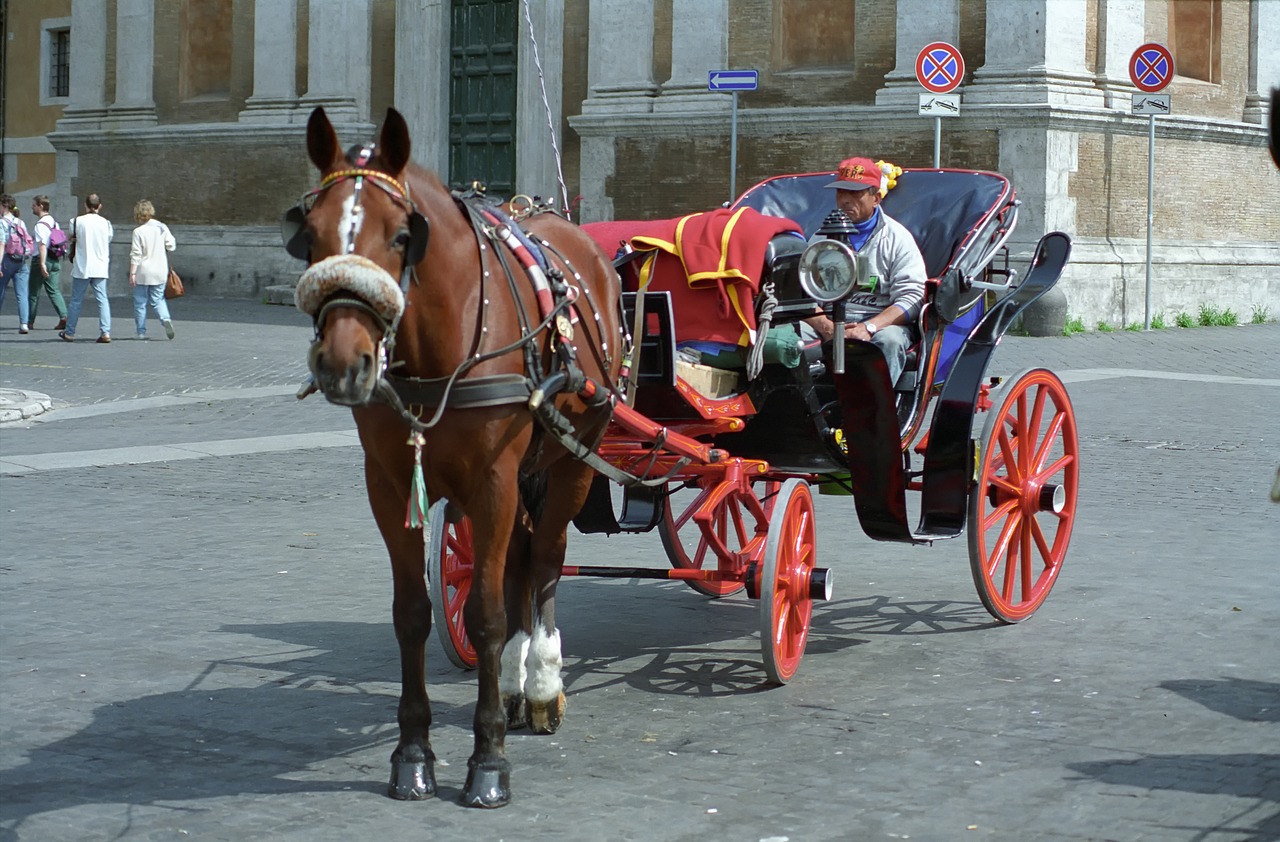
x=322 y=141
x=393 y=145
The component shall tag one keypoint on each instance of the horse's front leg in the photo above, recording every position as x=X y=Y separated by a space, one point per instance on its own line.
x=412 y=762
x=488 y=770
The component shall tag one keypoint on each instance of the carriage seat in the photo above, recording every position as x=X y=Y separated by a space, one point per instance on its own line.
x=713 y=264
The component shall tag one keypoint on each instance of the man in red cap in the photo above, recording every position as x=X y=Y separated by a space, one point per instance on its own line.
x=884 y=310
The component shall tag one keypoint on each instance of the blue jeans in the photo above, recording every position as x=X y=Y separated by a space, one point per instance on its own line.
x=144 y=295
x=79 y=286
x=893 y=341
x=20 y=272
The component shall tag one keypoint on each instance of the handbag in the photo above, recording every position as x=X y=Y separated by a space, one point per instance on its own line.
x=173 y=286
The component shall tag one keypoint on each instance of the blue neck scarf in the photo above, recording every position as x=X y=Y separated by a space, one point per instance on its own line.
x=862 y=230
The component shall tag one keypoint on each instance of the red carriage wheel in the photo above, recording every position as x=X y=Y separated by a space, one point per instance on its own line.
x=1024 y=504
x=449 y=568
x=688 y=548
x=788 y=581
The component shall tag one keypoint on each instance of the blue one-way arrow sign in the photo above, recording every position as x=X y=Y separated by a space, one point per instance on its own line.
x=732 y=80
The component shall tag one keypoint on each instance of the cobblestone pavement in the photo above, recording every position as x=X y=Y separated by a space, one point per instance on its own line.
x=195 y=637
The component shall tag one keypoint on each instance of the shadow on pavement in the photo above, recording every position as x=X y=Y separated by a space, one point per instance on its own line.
x=1247 y=776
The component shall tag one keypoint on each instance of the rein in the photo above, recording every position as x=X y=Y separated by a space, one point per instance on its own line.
x=555 y=299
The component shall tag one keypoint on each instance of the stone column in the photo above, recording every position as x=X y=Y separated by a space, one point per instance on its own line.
x=1035 y=56
x=919 y=23
x=338 y=53
x=1120 y=32
x=88 y=93
x=275 y=63
x=1040 y=162
x=620 y=58
x=422 y=79
x=537 y=150
x=1264 y=58
x=135 y=63
x=699 y=44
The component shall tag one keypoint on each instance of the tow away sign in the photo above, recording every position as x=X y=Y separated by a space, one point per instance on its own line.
x=1152 y=104
x=940 y=105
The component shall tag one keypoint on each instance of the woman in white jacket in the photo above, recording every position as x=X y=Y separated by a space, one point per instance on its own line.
x=149 y=267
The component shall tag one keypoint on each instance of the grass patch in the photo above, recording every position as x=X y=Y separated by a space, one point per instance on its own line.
x=1133 y=326
x=1157 y=321
x=1208 y=315
x=1074 y=325
x=1105 y=327
x=1227 y=318
x=1261 y=315
x=1183 y=319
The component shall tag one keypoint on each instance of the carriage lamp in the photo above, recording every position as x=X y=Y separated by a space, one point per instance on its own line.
x=829 y=272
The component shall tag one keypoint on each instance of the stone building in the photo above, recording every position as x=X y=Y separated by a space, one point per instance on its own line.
x=200 y=106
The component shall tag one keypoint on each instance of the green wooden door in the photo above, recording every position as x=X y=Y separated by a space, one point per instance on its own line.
x=482 y=94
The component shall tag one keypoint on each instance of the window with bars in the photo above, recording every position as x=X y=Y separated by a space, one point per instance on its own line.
x=59 y=63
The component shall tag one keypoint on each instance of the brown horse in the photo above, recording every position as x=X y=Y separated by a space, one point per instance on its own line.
x=443 y=345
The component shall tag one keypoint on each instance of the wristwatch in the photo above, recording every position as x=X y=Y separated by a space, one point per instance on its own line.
x=871 y=328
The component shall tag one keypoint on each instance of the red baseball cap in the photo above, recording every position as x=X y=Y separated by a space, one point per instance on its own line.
x=857 y=174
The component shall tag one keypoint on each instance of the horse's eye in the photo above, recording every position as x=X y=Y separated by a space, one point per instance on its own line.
x=401 y=240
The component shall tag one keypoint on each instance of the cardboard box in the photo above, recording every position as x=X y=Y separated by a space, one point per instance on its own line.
x=708 y=381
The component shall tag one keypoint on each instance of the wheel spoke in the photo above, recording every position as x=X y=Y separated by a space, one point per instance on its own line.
x=735 y=512
x=691 y=508
x=1027 y=559
x=1053 y=470
x=1008 y=451
x=999 y=512
x=1004 y=544
x=1042 y=543
x=1050 y=438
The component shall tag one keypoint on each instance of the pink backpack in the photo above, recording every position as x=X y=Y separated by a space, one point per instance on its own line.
x=19 y=244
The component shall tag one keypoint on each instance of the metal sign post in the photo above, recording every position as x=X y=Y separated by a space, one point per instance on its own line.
x=1150 y=69
x=939 y=70
x=733 y=81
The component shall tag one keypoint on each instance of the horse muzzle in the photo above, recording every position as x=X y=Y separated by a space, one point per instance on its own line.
x=346 y=379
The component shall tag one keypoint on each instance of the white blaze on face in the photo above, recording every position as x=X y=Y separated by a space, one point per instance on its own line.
x=352 y=219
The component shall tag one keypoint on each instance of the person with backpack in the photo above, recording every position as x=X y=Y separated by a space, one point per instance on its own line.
x=18 y=249
x=51 y=247
x=91 y=234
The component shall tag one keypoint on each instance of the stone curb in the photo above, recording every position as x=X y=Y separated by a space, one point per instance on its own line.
x=19 y=405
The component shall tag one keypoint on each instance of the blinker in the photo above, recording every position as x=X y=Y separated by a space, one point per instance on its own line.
x=293 y=232
x=419 y=237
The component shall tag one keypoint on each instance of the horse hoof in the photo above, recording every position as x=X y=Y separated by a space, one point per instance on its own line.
x=411 y=781
x=487 y=787
x=517 y=712
x=546 y=717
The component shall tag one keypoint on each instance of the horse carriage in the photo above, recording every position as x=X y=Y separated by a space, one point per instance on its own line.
x=746 y=520
x=498 y=365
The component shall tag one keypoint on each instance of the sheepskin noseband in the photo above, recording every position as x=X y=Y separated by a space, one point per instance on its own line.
x=353 y=274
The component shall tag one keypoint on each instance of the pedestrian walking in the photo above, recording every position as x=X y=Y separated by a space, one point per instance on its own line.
x=46 y=265
x=149 y=267
x=18 y=247
x=91 y=234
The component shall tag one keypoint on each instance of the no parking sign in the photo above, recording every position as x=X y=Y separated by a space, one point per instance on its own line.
x=1151 y=68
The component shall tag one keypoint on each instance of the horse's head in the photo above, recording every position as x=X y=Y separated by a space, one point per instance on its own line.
x=362 y=235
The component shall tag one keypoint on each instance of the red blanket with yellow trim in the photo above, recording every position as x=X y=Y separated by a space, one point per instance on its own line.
x=710 y=263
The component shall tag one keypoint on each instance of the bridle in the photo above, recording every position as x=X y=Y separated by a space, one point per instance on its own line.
x=293 y=231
